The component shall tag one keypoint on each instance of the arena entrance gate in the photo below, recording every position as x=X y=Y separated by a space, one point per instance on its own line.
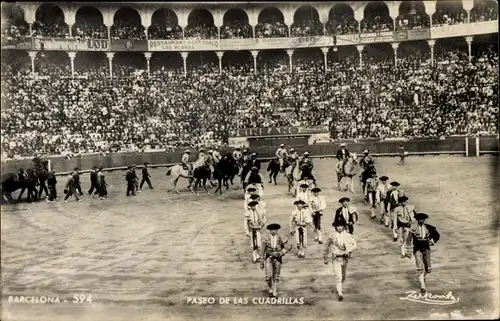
x=265 y=141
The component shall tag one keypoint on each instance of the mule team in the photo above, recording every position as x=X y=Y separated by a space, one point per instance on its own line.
x=309 y=206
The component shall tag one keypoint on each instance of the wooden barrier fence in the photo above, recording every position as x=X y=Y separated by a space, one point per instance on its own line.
x=467 y=146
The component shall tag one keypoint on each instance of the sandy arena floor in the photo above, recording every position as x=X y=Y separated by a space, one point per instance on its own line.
x=140 y=258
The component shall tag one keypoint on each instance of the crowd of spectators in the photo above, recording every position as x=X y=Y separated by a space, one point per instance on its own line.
x=485 y=10
x=449 y=16
x=57 y=29
x=376 y=23
x=89 y=29
x=165 y=31
x=123 y=30
x=57 y=115
x=201 y=31
x=412 y=22
x=271 y=29
x=50 y=25
x=236 y=29
x=307 y=28
x=342 y=24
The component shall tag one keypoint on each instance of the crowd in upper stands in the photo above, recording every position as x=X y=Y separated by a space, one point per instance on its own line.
x=50 y=113
x=57 y=115
x=50 y=23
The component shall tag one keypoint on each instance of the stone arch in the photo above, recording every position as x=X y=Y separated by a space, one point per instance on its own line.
x=449 y=12
x=13 y=12
x=306 y=13
x=200 y=16
x=412 y=13
x=235 y=14
x=376 y=17
x=133 y=18
x=341 y=20
x=411 y=7
x=49 y=13
x=127 y=23
x=236 y=24
x=88 y=9
x=266 y=15
x=201 y=23
x=164 y=25
x=165 y=15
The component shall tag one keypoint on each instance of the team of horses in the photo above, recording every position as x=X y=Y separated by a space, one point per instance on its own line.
x=228 y=168
x=27 y=181
x=199 y=174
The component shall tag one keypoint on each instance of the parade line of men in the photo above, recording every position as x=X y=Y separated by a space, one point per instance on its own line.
x=309 y=206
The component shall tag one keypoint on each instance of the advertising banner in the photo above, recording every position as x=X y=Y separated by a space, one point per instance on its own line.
x=18 y=43
x=401 y=35
x=419 y=34
x=279 y=131
x=184 y=45
x=466 y=29
x=129 y=45
x=70 y=44
x=373 y=37
x=250 y=44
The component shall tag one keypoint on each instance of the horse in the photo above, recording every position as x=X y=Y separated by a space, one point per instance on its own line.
x=274 y=169
x=233 y=168
x=224 y=170
x=367 y=173
x=346 y=171
x=178 y=171
x=292 y=174
x=201 y=174
x=11 y=183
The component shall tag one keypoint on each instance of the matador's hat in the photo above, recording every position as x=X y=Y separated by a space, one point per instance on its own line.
x=253 y=203
x=297 y=202
x=342 y=145
x=251 y=189
x=304 y=185
x=316 y=190
x=403 y=199
x=384 y=178
x=254 y=196
x=395 y=184
x=421 y=216
x=273 y=226
x=344 y=199
x=339 y=222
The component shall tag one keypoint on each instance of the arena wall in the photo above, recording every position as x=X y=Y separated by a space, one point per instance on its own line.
x=118 y=161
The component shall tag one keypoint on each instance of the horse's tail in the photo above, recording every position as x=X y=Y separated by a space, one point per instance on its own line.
x=169 y=171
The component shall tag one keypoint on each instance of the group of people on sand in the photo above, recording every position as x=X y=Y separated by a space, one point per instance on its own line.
x=406 y=224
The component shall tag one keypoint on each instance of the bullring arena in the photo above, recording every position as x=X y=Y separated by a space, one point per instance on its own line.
x=109 y=85
x=141 y=258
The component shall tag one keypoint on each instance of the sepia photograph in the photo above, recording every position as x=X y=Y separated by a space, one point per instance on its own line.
x=249 y=160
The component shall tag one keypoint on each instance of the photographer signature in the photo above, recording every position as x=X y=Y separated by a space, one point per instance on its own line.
x=429 y=298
